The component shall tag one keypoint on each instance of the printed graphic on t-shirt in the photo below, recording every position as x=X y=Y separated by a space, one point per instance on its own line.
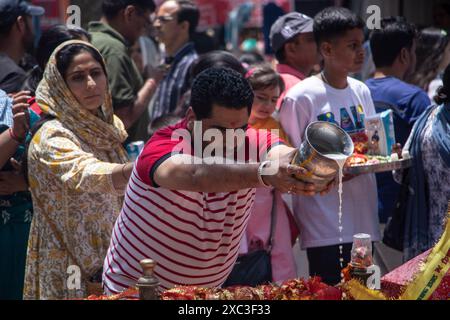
x=351 y=123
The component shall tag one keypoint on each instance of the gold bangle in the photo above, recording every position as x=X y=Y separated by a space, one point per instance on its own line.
x=123 y=173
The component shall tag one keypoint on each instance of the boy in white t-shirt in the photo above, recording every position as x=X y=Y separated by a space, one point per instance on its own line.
x=335 y=97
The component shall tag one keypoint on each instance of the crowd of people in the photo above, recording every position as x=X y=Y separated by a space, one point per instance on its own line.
x=71 y=195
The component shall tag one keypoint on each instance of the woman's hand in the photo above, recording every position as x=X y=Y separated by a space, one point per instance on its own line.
x=21 y=114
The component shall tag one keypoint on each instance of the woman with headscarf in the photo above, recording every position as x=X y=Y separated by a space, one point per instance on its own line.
x=77 y=172
x=429 y=178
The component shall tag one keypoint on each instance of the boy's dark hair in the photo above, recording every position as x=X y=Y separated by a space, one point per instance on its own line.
x=333 y=22
x=221 y=86
x=189 y=12
x=263 y=76
x=386 y=43
x=111 y=8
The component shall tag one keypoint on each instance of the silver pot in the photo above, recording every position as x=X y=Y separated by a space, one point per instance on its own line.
x=322 y=139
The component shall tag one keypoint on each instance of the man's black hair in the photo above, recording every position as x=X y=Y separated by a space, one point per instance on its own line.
x=386 y=43
x=221 y=86
x=333 y=22
x=189 y=12
x=111 y=8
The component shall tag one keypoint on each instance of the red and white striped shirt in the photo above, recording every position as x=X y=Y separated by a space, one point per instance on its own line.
x=193 y=236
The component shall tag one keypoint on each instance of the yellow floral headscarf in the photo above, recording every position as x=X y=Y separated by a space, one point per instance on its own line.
x=104 y=132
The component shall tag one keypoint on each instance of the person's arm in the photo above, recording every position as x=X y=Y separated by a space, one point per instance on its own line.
x=130 y=114
x=121 y=174
x=61 y=153
x=11 y=138
x=13 y=82
x=8 y=146
x=128 y=105
x=12 y=182
x=180 y=173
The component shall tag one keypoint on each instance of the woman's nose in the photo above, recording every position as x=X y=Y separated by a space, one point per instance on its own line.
x=91 y=83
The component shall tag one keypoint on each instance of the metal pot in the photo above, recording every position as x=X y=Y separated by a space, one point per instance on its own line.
x=321 y=139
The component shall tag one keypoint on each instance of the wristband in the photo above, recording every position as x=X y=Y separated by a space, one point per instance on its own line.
x=260 y=169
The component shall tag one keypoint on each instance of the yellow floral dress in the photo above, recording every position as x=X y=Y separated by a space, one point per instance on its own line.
x=70 y=163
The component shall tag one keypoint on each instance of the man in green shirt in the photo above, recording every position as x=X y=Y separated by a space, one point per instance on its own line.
x=121 y=25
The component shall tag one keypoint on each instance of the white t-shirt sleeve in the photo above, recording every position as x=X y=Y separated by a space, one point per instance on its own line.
x=367 y=100
x=295 y=115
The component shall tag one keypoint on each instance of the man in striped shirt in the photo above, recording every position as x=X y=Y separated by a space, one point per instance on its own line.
x=187 y=216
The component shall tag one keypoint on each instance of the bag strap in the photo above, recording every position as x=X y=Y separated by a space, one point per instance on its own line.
x=273 y=221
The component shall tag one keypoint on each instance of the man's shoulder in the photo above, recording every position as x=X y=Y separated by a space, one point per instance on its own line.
x=107 y=44
x=192 y=54
x=162 y=145
x=412 y=89
x=11 y=72
x=187 y=59
x=398 y=89
x=394 y=83
x=7 y=64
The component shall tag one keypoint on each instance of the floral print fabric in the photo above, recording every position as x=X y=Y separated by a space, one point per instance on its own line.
x=70 y=165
